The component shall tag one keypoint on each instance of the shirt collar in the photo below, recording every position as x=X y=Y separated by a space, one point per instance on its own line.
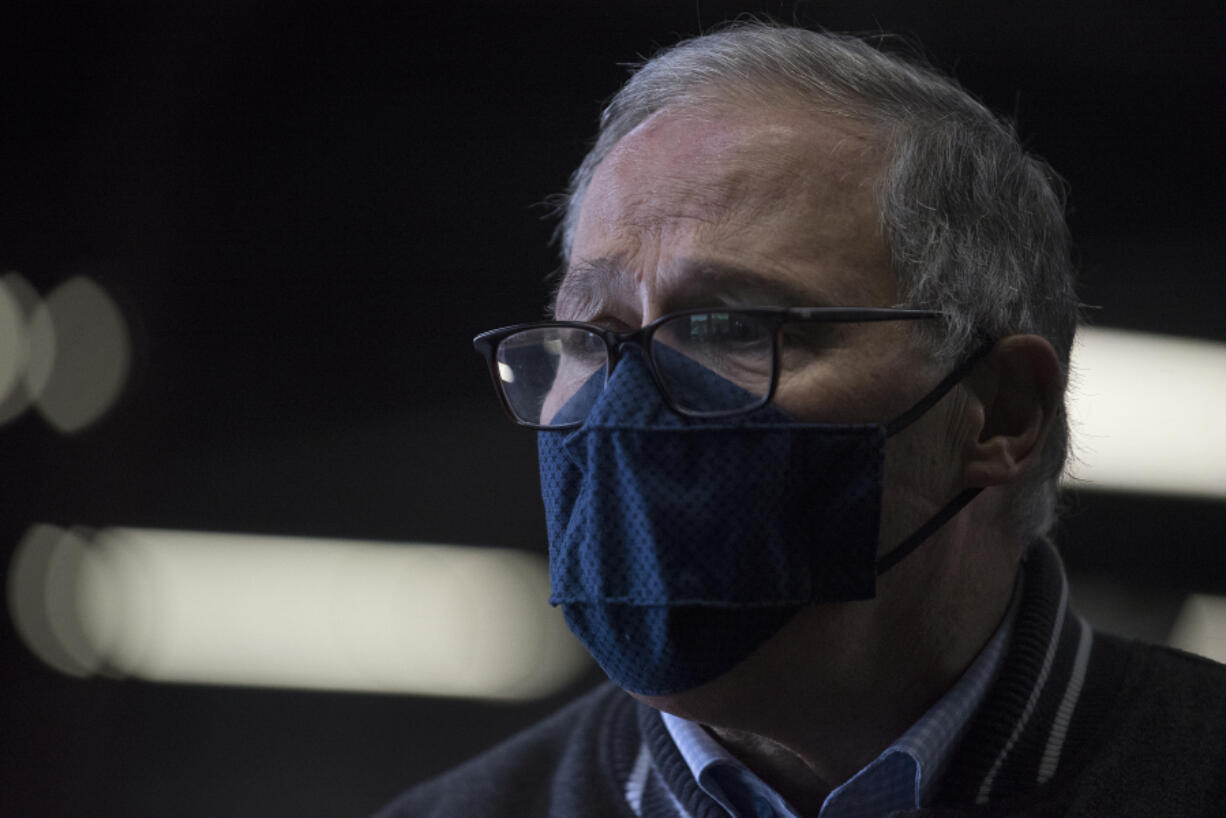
x=903 y=776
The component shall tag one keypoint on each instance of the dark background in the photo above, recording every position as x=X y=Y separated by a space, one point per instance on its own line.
x=306 y=212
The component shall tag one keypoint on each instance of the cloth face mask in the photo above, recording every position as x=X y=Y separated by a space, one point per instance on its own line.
x=677 y=546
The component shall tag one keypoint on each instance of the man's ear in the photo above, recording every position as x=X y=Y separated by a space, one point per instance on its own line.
x=1016 y=392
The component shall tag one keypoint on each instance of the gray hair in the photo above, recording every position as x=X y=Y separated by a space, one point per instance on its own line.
x=974 y=226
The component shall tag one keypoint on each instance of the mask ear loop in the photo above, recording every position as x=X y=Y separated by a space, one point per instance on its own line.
x=947 y=512
x=939 y=391
x=903 y=549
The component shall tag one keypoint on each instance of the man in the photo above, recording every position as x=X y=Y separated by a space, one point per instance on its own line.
x=801 y=420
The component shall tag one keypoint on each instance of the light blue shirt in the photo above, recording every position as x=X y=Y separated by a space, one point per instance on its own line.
x=902 y=777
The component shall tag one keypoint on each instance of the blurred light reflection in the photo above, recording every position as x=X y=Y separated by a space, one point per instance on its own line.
x=17 y=301
x=1201 y=627
x=1146 y=413
x=290 y=612
x=84 y=376
x=67 y=355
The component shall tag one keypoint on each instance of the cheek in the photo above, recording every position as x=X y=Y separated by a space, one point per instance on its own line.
x=866 y=373
x=822 y=393
x=846 y=389
x=921 y=463
x=911 y=488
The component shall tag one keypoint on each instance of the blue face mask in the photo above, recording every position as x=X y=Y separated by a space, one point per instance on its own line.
x=677 y=546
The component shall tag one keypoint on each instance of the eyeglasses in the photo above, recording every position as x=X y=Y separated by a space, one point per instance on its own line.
x=706 y=363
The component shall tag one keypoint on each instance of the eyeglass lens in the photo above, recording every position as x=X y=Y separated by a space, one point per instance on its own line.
x=713 y=362
x=542 y=372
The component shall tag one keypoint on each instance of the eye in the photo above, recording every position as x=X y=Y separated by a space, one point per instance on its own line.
x=726 y=328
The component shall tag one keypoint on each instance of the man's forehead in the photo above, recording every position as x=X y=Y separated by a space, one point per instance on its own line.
x=739 y=199
x=689 y=282
x=703 y=164
x=729 y=134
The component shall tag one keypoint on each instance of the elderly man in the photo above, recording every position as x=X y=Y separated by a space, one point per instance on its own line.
x=801 y=416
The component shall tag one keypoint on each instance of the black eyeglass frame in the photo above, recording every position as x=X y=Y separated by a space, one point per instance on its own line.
x=487 y=344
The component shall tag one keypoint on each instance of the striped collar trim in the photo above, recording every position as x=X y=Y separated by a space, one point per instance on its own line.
x=1018 y=739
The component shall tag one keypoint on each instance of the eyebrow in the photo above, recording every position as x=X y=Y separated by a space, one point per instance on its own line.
x=586 y=287
x=698 y=281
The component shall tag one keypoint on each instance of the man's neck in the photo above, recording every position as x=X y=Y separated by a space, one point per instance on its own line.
x=809 y=749
x=806 y=721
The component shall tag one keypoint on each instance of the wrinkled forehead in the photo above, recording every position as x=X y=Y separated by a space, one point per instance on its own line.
x=711 y=164
x=781 y=194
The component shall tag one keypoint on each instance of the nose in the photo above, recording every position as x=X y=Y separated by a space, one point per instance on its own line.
x=630 y=340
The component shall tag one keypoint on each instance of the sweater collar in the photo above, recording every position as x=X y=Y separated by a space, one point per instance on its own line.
x=1019 y=738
